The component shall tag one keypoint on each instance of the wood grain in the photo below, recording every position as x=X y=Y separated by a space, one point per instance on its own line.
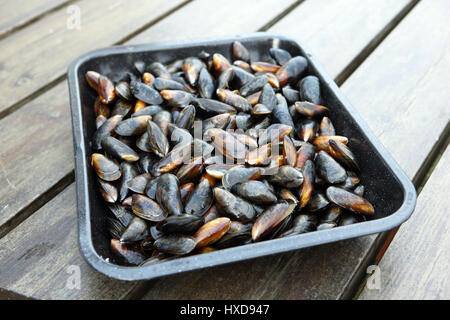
x=415 y=266
x=39 y=256
x=17 y=13
x=331 y=29
x=23 y=66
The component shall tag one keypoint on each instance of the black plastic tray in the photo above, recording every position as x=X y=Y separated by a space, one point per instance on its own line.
x=387 y=187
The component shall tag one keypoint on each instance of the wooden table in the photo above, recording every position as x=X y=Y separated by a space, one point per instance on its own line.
x=391 y=59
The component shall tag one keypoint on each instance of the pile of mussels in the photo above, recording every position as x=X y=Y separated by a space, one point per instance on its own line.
x=204 y=153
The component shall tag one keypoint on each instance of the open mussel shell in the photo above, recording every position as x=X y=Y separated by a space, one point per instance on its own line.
x=350 y=201
x=147 y=209
x=185 y=224
x=211 y=231
x=176 y=244
x=105 y=168
x=270 y=219
x=119 y=150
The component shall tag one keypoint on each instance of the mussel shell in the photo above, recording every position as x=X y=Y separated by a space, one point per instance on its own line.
x=123 y=90
x=132 y=126
x=330 y=170
x=239 y=174
x=92 y=78
x=105 y=168
x=214 y=106
x=105 y=89
x=270 y=219
x=220 y=63
x=205 y=85
x=185 y=224
x=317 y=203
x=287 y=176
x=241 y=77
x=349 y=218
x=326 y=127
x=274 y=133
x=138 y=183
x=144 y=92
x=191 y=170
x=234 y=207
x=350 y=201
x=201 y=199
x=240 y=52
x=268 y=97
x=211 y=231
x=235 y=100
x=147 y=209
x=332 y=214
x=101 y=109
x=307 y=130
x=225 y=79
x=359 y=190
x=118 y=150
x=309 y=89
x=168 y=194
x=186 y=118
x=114 y=227
x=262 y=66
x=291 y=95
x=159 y=70
x=254 y=85
x=281 y=112
x=163 y=119
x=307 y=187
x=292 y=70
x=191 y=67
x=129 y=254
x=177 y=97
x=289 y=152
x=157 y=140
x=166 y=84
x=308 y=109
x=281 y=56
x=108 y=191
x=147 y=111
x=137 y=230
x=255 y=191
x=343 y=155
x=305 y=153
x=185 y=191
x=105 y=130
x=175 y=244
x=121 y=213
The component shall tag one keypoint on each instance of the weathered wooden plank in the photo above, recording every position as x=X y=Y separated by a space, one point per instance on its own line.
x=402 y=89
x=24 y=70
x=204 y=18
x=28 y=138
x=324 y=272
x=17 y=13
x=332 y=27
x=415 y=266
x=39 y=258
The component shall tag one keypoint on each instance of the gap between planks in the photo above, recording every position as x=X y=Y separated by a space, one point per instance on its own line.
x=63 y=77
x=384 y=239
